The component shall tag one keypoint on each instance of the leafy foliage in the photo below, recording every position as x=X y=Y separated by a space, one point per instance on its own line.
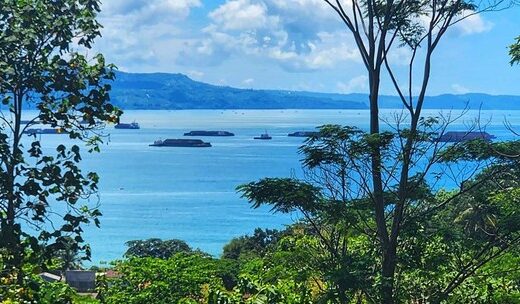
x=514 y=51
x=295 y=268
x=33 y=289
x=285 y=194
x=156 y=248
x=255 y=245
x=183 y=278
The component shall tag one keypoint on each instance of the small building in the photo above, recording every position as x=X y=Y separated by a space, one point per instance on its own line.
x=50 y=277
x=81 y=280
x=112 y=274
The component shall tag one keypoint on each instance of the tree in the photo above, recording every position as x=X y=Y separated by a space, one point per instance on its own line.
x=378 y=27
x=68 y=258
x=156 y=248
x=254 y=245
x=183 y=278
x=514 y=51
x=40 y=69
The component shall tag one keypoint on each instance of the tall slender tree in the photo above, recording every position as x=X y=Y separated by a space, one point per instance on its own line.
x=42 y=70
x=379 y=27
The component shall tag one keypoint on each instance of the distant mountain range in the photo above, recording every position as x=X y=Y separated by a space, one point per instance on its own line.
x=178 y=91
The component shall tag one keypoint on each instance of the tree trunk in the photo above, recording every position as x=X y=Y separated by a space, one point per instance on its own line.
x=10 y=229
x=388 y=248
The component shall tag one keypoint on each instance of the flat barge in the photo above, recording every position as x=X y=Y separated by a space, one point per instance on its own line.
x=209 y=133
x=191 y=143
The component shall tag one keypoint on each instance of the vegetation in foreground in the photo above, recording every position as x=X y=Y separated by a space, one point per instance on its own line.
x=377 y=227
x=465 y=252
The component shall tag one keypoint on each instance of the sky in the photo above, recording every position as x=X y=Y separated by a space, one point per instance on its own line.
x=292 y=45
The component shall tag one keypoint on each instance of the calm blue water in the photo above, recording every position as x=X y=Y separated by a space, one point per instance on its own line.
x=189 y=193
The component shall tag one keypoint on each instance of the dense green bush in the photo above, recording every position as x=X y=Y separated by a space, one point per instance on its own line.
x=183 y=278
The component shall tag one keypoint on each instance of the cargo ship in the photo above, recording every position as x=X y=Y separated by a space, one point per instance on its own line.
x=209 y=133
x=132 y=126
x=196 y=143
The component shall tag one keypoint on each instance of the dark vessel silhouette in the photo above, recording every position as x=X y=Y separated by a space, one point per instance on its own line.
x=132 y=126
x=263 y=136
x=303 y=134
x=209 y=133
x=196 y=143
x=460 y=136
x=44 y=131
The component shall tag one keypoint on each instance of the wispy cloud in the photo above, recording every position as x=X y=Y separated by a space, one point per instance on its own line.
x=248 y=81
x=357 y=84
x=459 y=89
x=140 y=33
x=299 y=36
x=473 y=24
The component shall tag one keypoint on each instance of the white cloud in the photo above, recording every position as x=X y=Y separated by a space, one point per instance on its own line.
x=248 y=81
x=240 y=15
x=473 y=24
x=299 y=35
x=459 y=89
x=357 y=84
x=139 y=33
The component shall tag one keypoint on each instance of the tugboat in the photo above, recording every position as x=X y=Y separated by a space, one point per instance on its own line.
x=209 y=133
x=132 y=126
x=303 y=134
x=194 y=143
x=461 y=136
x=263 y=136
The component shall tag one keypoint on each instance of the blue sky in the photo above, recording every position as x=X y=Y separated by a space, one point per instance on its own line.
x=291 y=44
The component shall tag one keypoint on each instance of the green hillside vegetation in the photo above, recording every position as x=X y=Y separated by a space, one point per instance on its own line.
x=162 y=91
x=177 y=91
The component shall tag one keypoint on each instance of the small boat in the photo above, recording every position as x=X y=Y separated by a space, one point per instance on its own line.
x=132 y=126
x=195 y=143
x=303 y=134
x=461 y=136
x=209 y=133
x=263 y=136
x=44 y=131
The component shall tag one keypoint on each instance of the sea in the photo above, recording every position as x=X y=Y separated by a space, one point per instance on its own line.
x=190 y=193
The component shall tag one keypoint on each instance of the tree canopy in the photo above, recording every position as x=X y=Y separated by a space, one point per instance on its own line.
x=156 y=248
